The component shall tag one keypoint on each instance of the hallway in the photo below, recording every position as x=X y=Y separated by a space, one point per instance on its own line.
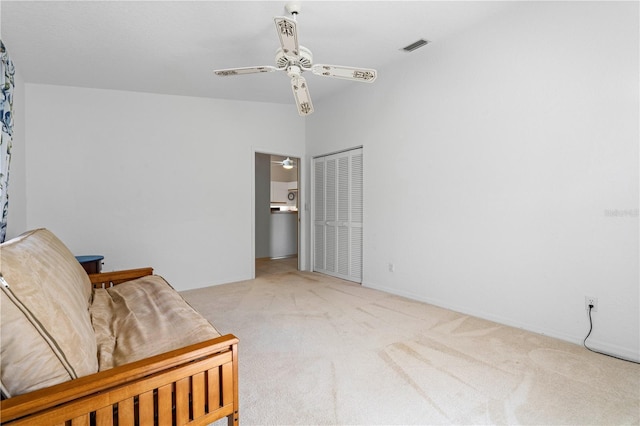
x=266 y=266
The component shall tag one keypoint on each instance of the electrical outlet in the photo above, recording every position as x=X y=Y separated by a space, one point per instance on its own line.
x=392 y=267
x=589 y=300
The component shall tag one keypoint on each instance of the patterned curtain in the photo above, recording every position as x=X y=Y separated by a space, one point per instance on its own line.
x=6 y=135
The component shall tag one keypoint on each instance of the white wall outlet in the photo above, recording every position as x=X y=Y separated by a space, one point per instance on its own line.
x=392 y=267
x=589 y=300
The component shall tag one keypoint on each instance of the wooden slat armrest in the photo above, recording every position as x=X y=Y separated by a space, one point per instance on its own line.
x=108 y=279
x=42 y=399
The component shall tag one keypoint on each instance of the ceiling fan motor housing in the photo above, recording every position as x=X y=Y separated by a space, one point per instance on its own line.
x=305 y=60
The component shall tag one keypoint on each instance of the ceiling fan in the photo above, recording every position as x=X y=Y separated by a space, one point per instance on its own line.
x=295 y=59
x=287 y=163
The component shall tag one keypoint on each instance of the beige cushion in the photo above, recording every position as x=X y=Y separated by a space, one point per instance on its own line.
x=142 y=318
x=46 y=335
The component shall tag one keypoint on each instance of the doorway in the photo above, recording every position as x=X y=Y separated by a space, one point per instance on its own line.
x=277 y=205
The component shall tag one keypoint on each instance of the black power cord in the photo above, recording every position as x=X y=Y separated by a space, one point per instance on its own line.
x=584 y=342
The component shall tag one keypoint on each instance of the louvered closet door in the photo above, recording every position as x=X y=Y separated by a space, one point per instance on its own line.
x=338 y=215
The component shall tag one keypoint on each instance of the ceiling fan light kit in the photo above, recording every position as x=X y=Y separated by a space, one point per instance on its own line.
x=295 y=59
x=287 y=163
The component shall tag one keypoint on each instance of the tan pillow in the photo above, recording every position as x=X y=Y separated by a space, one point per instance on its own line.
x=46 y=335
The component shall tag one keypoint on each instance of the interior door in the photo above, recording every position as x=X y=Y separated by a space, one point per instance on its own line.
x=338 y=211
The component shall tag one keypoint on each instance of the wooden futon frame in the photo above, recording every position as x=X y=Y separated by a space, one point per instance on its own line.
x=194 y=385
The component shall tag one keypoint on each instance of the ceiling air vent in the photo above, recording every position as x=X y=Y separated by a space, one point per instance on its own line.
x=415 y=45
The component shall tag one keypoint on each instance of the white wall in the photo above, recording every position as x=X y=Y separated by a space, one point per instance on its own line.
x=280 y=192
x=493 y=161
x=17 y=218
x=151 y=180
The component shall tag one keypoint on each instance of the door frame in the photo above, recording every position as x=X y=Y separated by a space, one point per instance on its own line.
x=302 y=205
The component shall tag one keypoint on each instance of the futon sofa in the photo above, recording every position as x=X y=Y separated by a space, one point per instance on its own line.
x=110 y=348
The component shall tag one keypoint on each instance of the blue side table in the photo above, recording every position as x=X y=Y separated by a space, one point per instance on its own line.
x=91 y=263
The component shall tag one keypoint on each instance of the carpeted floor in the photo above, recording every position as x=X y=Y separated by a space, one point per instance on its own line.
x=316 y=350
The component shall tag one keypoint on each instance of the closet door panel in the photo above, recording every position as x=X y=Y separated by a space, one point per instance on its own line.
x=338 y=213
x=319 y=248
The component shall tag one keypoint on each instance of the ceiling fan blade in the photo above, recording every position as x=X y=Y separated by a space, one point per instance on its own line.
x=366 y=75
x=288 y=33
x=245 y=70
x=301 y=93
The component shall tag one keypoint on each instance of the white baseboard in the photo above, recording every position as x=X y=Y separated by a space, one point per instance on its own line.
x=599 y=346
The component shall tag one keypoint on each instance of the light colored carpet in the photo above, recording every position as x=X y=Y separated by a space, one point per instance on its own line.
x=316 y=350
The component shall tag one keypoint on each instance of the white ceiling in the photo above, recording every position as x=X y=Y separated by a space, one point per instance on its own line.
x=172 y=47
